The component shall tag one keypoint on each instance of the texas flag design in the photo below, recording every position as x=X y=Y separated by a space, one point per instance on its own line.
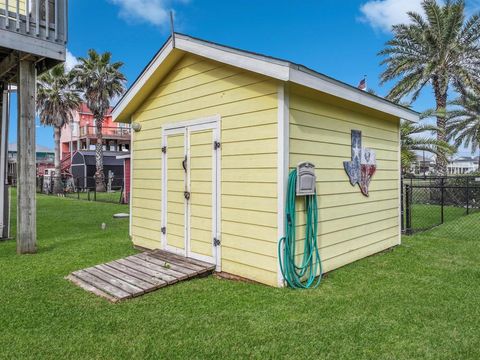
x=363 y=165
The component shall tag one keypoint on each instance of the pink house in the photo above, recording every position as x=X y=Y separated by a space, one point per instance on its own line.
x=82 y=134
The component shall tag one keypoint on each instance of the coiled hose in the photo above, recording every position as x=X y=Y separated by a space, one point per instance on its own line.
x=304 y=275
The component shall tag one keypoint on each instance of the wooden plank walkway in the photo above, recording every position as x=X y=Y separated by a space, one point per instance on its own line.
x=138 y=274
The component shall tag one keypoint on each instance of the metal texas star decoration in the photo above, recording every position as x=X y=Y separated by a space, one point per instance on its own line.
x=363 y=164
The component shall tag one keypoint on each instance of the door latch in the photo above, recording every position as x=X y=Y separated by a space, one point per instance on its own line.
x=163 y=230
x=184 y=163
x=216 y=242
x=187 y=195
x=216 y=145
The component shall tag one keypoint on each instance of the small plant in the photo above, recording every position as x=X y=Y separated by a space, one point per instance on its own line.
x=166 y=265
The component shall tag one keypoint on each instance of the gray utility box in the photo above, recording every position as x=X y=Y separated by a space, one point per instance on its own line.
x=306 y=179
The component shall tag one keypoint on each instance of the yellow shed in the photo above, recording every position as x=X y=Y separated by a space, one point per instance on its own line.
x=216 y=132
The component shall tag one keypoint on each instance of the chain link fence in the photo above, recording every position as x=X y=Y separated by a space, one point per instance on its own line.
x=84 y=189
x=428 y=202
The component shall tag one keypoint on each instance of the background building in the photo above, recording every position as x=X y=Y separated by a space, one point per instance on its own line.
x=45 y=158
x=82 y=135
x=423 y=165
x=462 y=165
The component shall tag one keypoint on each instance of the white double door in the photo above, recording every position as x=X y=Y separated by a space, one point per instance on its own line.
x=191 y=202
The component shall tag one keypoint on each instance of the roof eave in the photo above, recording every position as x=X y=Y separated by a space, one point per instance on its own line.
x=271 y=67
x=343 y=91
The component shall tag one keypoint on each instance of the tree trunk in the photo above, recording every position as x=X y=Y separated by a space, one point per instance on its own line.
x=57 y=182
x=99 y=175
x=440 y=91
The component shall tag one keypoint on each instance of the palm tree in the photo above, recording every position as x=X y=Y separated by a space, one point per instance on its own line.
x=101 y=81
x=412 y=141
x=57 y=99
x=463 y=122
x=441 y=49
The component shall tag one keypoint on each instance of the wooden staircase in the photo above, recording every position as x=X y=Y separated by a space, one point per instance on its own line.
x=66 y=163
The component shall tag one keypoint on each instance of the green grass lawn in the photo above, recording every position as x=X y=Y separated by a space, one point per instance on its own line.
x=427 y=216
x=420 y=300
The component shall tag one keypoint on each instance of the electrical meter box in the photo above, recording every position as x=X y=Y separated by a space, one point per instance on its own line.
x=306 y=179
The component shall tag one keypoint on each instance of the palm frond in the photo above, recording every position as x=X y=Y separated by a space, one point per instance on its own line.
x=101 y=81
x=57 y=97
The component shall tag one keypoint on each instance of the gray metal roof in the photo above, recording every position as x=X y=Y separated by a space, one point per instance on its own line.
x=12 y=147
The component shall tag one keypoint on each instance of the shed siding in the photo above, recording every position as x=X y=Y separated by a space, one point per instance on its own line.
x=12 y=6
x=247 y=104
x=351 y=226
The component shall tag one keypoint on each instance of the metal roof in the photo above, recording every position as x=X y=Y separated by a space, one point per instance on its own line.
x=12 y=147
x=109 y=158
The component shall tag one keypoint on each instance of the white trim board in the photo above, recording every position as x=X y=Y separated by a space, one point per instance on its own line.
x=187 y=123
x=130 y=200
x=400 y=184
x=277 y=69
x=283 y=160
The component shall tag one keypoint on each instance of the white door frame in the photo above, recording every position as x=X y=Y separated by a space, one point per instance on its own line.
x=165 y=134
x=186 y=128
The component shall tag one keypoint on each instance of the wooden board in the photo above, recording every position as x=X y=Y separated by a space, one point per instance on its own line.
x=138 y=274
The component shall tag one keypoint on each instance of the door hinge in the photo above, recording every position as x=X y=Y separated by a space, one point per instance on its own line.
x=216 y=242
x=164 y=230
x=164 y=149
x=216 y=145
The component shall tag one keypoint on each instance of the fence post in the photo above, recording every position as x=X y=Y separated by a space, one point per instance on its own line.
x=121 y=196
x=442 y=199
x=95 y=192
x=78 y=188
x=468 y=195
x=408 y=209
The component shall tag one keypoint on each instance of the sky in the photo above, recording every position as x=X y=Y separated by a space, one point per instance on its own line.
x=338 y=38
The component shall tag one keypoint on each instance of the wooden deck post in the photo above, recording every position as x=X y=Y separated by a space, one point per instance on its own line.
x=4 y=199
x=26 y=167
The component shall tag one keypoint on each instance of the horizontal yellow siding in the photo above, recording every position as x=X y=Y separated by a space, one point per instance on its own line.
x=12 y=7
x=247 y=104
x=351 y=226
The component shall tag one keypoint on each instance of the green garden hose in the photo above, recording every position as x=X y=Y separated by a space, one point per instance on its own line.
x=301 y=276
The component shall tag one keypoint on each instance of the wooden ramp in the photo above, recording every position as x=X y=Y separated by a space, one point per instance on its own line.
x=138 y=274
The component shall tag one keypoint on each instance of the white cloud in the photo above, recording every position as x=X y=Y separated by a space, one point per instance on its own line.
x=70 y=61
x=382 y=14
x=155 y=12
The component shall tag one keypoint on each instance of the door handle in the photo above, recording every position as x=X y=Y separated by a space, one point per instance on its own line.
x=184 y=163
